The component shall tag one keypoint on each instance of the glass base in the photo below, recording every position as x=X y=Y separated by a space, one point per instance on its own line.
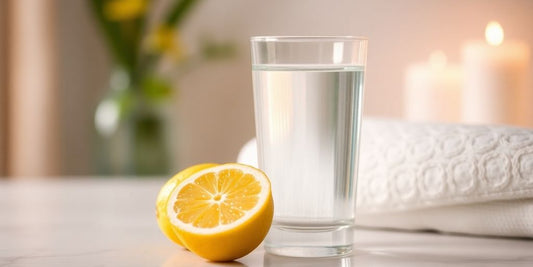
x=309 y=242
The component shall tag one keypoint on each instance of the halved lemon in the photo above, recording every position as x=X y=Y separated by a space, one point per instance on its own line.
x=162 y=199
x=222 y=213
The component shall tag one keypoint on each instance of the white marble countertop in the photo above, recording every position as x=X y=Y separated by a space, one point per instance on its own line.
x=111 y=222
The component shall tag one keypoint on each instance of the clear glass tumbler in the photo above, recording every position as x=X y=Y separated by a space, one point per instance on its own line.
x=308 y=101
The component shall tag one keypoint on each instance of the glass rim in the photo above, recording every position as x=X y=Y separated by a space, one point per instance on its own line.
x=295 y=38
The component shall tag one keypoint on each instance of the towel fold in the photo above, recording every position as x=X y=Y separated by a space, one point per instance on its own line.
x=446 y=177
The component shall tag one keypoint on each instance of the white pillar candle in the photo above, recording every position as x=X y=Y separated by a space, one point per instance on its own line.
x=433 y=90
x=495 y=89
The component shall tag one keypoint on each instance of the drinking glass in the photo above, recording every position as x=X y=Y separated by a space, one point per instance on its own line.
x=308 y=101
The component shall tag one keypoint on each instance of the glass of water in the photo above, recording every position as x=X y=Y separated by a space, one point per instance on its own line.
x=308 y=100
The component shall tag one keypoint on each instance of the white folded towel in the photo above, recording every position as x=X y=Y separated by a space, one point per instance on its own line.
x=444 y=177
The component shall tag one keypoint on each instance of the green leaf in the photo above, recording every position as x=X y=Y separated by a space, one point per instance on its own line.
x=213 y=50
x=156 y=88
x=124 y=99
x=177 y=13
x=124 y=38
x=110 y=31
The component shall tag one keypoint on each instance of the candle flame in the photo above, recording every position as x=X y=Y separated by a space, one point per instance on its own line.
x=494 y=33
x=437 y=59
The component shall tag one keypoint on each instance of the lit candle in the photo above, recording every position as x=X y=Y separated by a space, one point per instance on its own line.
x=496 y=80
x=433 y=90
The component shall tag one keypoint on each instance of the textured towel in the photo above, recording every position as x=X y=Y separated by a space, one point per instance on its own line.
x=445 y=177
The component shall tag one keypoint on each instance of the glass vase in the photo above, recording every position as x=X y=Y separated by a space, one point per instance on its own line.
x=133 y=130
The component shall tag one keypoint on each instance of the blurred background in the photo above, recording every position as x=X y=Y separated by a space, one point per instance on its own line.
x=134 y=87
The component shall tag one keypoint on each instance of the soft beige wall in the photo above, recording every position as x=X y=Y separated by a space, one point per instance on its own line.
x=400 y=32
x=214 y=111
x=84 y=68
x=3 y=84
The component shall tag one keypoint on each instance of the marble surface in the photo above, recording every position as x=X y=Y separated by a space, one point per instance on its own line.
x=111 y=222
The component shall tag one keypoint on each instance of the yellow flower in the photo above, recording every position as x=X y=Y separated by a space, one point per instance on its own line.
x=118 y=10
x=165 y=40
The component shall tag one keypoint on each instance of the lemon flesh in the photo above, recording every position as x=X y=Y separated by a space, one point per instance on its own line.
x=164 y=194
